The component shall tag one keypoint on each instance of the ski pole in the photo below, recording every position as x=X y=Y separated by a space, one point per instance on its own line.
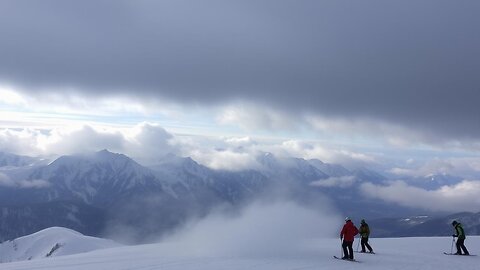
x=451 y=248
x=341 y=248
x=358 y=243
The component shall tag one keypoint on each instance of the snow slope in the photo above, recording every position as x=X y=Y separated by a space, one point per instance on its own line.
x=51 y=242
x=393 y=253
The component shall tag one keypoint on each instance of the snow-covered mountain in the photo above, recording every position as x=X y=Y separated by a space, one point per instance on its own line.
x=23 y=219
x=293 y=170
x=187 y=176
x=332 y=170
x=98 y=179
x=91 y=192
x=51 y=242
x=178 y=189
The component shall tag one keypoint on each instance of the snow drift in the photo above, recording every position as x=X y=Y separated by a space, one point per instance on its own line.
x=51 y=242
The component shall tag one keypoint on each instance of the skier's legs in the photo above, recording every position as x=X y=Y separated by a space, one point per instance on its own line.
x=367 y=244
x=363 y=242
x=350 y=249
x=458 y=244
x=344 y=246
x=461 y=244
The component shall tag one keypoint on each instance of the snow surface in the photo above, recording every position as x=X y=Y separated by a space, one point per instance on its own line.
x=51 y=242
x=395 y=253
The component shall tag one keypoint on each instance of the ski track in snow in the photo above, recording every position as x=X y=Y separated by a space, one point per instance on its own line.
x=395 y=253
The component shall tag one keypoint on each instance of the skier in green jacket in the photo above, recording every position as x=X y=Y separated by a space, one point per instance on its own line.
x=460 y=234
x=364 y=231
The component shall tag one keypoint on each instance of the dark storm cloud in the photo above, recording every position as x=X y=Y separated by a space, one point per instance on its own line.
x=414 y=63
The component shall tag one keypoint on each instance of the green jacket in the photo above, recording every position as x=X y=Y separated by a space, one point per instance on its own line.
x=364 y=230
x=460 y=233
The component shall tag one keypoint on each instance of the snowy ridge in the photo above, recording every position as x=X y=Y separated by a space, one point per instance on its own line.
x=96 y=177
x=100 y=166
x=297 y=170
x=333 y=170
x=51 y=242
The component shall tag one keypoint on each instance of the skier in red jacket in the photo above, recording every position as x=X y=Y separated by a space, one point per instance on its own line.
x=348 y=234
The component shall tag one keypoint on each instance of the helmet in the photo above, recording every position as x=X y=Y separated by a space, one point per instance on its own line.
x=347 y=219
x=362 y=221
x=454 y=223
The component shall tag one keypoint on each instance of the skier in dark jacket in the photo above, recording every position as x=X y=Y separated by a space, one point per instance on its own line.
x=460 y=234
x=348 y=234
x=364 y=231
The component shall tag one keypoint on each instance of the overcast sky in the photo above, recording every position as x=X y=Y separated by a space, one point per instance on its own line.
x=359 y=79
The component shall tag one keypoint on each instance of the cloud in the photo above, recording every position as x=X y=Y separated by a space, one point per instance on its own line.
x=71 y=108
x=24 y=141
x=7 y=181
x=36 y=183
x=468 y=167
x=149 y=141
x=367 y=129
x=241 y=141
x=144 y=141
x=326 y=153
x=456 y=198
x=240 y=154
x=11 y=97
x=225 y=159
x=257 y=230
x=257 y=117
x=82 y=140
x=342 y=182
x=419 y=73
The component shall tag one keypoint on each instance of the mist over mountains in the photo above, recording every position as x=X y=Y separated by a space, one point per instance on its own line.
x=111 y=195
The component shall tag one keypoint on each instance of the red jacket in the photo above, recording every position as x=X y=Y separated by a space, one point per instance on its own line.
x=348 y=231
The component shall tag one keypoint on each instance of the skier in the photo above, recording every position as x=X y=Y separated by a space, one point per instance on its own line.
x=347 y=235
x=460 y=233
x=364 y=234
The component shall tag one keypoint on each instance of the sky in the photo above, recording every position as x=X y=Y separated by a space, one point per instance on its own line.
x=385 y=84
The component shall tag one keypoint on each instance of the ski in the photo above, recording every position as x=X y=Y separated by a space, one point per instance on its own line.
x=373 y=253
x=338 y=258
x=446 y=253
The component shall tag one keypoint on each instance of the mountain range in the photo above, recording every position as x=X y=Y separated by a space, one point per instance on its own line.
x=110 y=194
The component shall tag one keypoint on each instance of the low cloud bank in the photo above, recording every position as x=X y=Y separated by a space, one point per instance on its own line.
x=149 y=142
x=280 y=228
x=456 y=198
x=342 y=182
x=7 y=181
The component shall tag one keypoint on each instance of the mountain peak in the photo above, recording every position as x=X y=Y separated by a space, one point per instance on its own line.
x=105 y=155
x=104 y=152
